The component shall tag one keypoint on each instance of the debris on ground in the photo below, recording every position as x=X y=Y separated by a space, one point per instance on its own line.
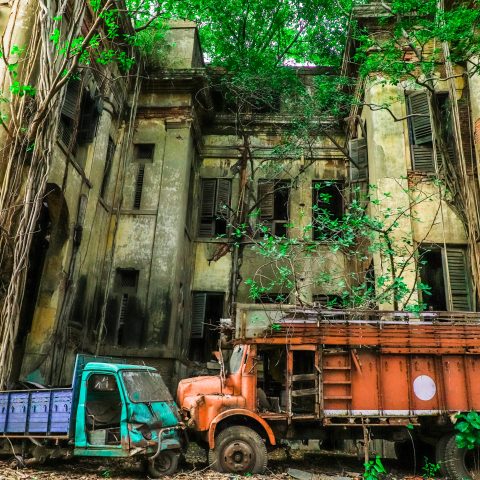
x=313 y=465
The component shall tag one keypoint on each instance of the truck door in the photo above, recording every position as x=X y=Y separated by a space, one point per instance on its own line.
x=100 y=416
x=303 y=381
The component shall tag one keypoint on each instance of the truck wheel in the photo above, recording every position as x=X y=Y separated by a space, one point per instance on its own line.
x=440 y=452
x=461 y=463
x=165 y=464
x=238 y=450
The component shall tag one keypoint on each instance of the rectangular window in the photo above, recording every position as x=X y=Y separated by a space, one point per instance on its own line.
x=137 y=198
x=445 y=271
x=215 y=206
x=327 y=208
x=143 y=152
x=273 y=202
x=420 y=129
x=359 y=160
x=108 y=166
x=79 y=115
x=327 y=301
x=125 y=319
x=272 y=298
x=68 y=114
x=207 y=309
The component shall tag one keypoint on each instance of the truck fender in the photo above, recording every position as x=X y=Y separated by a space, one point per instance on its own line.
x=238 y=411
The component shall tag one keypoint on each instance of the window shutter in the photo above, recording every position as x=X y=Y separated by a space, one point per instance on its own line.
x=423 y=158
x=466 y=131
x=359 y=154
x=421 y=126
x=207 y=209
x=265 y=197
x=208 y=197
x=70 y=101
x=458 y=281
x=89 y=115
x=223 y=196
x=198 y=314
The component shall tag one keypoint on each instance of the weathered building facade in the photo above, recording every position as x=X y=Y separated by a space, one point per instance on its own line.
x=130 y=257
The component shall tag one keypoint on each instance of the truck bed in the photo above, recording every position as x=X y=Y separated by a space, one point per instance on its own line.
x=36 y=413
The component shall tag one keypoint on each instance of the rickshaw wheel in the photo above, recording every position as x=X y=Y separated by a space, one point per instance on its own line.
x=165 y=464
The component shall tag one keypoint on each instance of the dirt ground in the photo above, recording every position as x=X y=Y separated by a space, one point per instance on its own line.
x=196 y=467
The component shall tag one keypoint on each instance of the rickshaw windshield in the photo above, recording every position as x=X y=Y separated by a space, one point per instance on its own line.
x=145 y=386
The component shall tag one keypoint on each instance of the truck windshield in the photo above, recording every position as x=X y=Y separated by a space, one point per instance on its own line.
x=235 y=359
x=145 y=386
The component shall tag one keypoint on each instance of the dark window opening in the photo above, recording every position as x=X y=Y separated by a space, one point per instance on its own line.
x=125 y=318
x=327 y=301
x=79 y=116
x=272 y=298
x=445 y=271
x=108 y=167
x=272 y=378
x=137 y=199
x=215 y=207
x=431 y=274
x=127 y=278
x=304 y=381
x=144 y=151
x=90 y=110
x=273 y=200
x=327 y=209
x=207 y=309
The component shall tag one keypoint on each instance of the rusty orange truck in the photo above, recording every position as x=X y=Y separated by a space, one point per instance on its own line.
x=308 y=374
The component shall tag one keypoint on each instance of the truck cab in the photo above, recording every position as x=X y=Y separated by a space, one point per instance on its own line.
x=124 y=409
x=111 y=410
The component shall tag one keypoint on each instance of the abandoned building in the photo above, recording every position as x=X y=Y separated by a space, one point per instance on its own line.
x=129 y=255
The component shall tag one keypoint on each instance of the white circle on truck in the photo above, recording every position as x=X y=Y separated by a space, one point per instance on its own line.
x=424 y=387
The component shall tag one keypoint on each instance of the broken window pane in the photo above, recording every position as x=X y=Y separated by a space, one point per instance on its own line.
x=143 y=386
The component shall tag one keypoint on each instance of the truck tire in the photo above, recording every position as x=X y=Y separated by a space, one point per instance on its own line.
x=165 y=464
x=440 y=454
x=238 y=450
x=461 y=463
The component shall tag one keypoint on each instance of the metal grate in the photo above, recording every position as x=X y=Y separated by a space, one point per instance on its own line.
x=137 y=200
x=127 y=278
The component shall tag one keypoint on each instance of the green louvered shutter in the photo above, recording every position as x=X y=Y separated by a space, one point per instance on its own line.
x=421 y=125
x=458 y=279
x=198 y=315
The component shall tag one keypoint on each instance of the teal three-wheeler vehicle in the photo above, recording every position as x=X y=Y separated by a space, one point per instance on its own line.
x=111 y=410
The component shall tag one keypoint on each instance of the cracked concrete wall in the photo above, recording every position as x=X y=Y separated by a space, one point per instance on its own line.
x=426 y=221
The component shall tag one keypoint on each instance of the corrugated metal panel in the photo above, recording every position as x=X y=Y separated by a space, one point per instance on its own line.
x=198 y=315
